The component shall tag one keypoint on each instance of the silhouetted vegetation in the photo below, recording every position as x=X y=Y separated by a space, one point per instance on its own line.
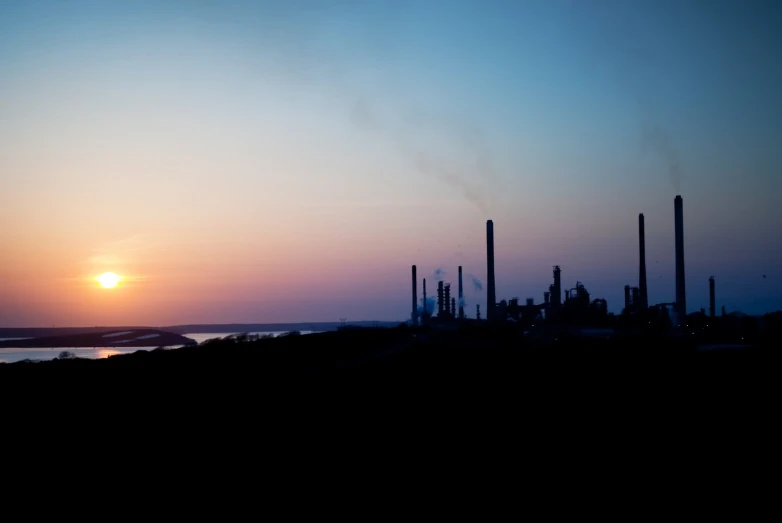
x=474 y=355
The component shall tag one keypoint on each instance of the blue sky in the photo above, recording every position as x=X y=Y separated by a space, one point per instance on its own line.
x=341 y=142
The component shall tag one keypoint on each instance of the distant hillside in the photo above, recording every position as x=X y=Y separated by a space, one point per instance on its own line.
x=261 y=327
x=32 y=332
x=118 y=338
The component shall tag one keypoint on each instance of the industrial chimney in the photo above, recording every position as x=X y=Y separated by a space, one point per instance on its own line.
x=440 y=297
x=681 y=300
x=712 y=304
x=644 y=300
x=426 y=313
x=461 y=295
x=491 y=298
x=414 y=317
x=556 y=289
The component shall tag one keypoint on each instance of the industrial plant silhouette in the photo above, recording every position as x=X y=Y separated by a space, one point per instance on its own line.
x=577 y=309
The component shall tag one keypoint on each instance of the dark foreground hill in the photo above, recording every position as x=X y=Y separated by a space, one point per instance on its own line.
x=475 y=386
x=475 y=356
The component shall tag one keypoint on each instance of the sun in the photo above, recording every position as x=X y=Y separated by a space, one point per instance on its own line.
x=108 y=280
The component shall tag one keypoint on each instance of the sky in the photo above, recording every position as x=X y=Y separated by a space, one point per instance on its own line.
x=288 y=161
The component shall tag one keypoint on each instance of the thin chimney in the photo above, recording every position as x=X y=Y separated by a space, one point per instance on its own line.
x=644 y=299
x=461 y=295
x=556 y=289
x=423 y=317
x=415 y=299
x=491 y=298
x=681 y=297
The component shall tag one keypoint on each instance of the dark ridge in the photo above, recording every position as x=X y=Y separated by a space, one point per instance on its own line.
x=483 y=355
x=29 y=332
x=114 y=338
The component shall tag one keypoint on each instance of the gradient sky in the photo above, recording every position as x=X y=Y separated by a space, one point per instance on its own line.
x=273 y=161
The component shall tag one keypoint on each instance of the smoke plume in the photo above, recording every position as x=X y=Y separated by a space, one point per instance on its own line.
x=476 y=283
x=463 y=161
x=638 y=70
x=438 y=274
x=431 y=305
x=658 y=139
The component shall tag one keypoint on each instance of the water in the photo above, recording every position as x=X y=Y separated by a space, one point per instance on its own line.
x=13 y=354
x=201 y=337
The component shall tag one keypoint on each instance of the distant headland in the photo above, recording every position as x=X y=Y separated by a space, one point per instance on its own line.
x=113 y=338
x=34 y=332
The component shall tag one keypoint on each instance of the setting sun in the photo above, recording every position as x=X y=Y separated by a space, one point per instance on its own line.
x=108 y=280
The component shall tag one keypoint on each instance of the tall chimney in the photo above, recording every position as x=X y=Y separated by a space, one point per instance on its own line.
x=414 y=317
x=681 y=300
x=461 y=295
x=712 y=304
x=556 y=296
x=426 y=313
x=644 y=303
x=491 y=298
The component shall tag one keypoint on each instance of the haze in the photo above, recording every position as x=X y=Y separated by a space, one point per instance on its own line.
x=284 y=161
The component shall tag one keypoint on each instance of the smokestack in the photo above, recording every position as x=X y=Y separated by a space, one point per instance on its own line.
x=461 y=295
x=491 y=298
x=415 y=299
x=681 y=300
x=712 y=304
x=556 y=297
x=644 y=304
x=423 y=317
x=453 y=307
